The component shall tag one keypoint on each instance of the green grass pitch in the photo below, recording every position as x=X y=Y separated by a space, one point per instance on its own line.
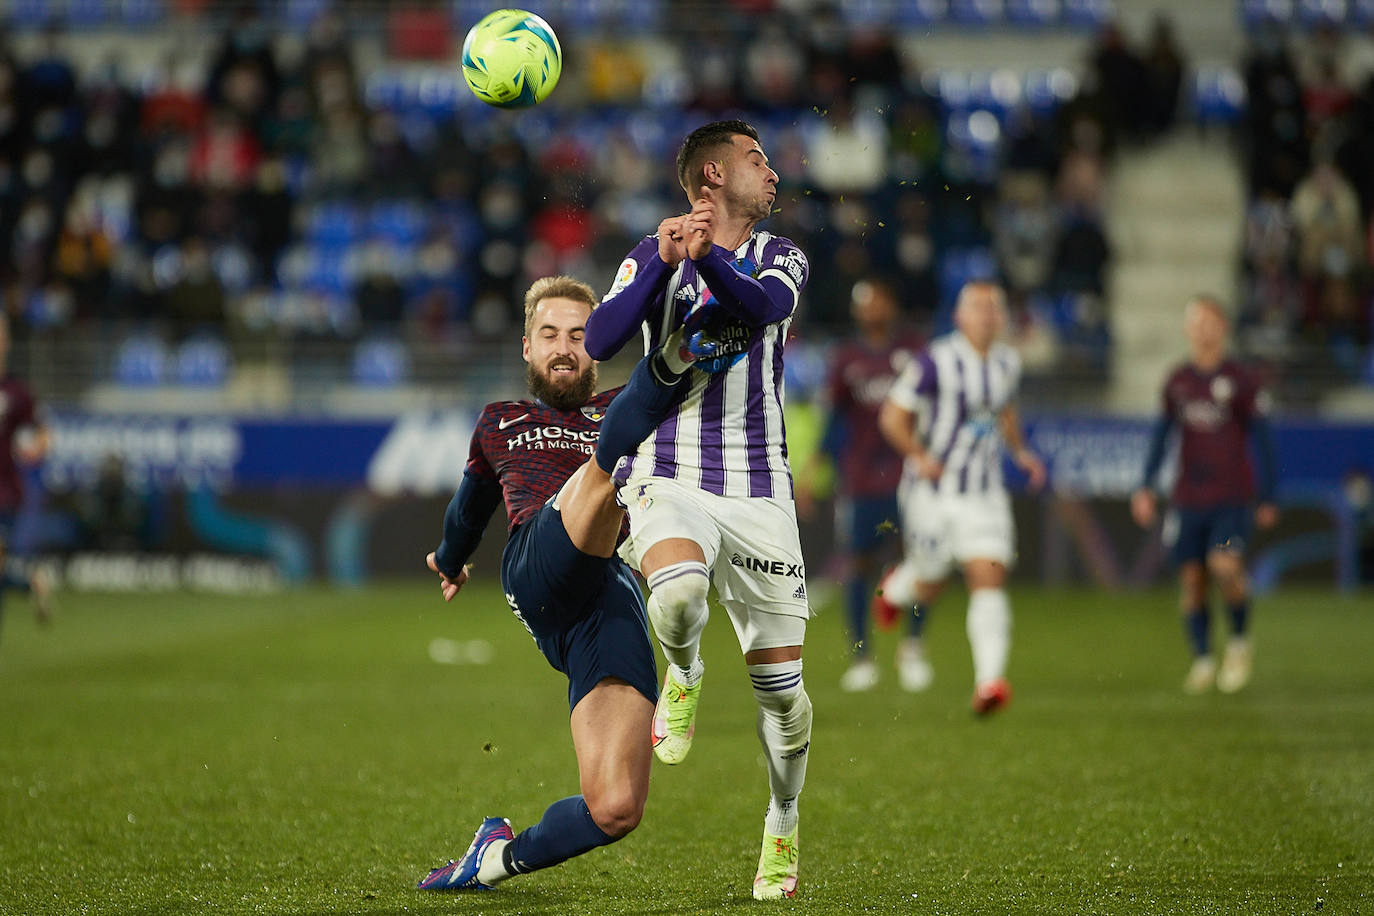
x=303 y=753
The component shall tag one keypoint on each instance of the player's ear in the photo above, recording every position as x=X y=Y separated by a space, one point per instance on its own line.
x=714 y=172
x=525 y=348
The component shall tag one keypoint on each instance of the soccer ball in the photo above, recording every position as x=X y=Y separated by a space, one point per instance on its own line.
x=511 y=59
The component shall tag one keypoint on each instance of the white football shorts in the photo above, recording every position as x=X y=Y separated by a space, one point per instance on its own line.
x=752 y=548
x=940 y=530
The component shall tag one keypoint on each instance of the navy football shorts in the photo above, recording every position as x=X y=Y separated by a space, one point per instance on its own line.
x=1200 y=531
x=585 y=613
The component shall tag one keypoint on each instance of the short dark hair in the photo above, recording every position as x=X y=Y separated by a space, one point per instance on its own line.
x=705 y=140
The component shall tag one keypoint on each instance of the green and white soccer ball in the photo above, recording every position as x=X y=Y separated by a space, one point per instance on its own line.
x=511 y=59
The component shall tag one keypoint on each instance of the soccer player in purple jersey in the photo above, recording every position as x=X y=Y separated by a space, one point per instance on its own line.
x=867 y=469
x=709 y=494
x=951 y=414
x=1218 y=408
x=23 y=436
x=560 y=573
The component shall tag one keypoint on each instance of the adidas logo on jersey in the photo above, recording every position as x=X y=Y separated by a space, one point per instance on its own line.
x=800 y=592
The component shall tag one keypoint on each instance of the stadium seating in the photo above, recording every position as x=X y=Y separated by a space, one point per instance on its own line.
x=202 y=361
x=141 y=361
x=1217 y=96
x=381 y=362
x=1306 y=14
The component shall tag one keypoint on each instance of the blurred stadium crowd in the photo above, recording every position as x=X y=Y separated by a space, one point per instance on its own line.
x=192 y=210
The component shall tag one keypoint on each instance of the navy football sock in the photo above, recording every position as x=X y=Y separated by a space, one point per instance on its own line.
x=856 y=603
x=652 y=391
x=917 y=624
x=1195 y=623
x=565 y=830
x=1240 y=616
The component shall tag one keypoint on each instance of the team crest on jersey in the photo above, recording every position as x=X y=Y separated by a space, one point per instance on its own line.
x=624 y=276
x=593 y=413
x=1222 y=388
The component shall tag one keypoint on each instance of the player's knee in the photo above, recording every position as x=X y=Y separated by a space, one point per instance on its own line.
x=781 y=694
x=1226 y=567
x=679 y=592
x=616 y=809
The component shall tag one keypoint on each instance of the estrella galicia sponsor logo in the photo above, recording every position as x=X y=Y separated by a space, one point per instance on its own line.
x=771 y=567
x=799 y=752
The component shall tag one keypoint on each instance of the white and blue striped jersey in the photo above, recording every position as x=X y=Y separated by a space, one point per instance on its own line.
x=958 y=397
x=727 y=437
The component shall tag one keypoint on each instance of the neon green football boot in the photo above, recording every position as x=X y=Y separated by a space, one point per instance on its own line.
x=777 y=874
x=675 y=719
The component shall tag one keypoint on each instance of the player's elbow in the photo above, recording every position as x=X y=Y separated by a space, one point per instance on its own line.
x=599 y=348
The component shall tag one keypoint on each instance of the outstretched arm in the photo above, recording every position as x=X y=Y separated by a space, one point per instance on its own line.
x=464 y=521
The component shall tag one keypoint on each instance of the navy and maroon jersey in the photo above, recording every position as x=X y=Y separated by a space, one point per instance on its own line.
x=16 y=411
x=531 y=449
x=857 y=382
x=1215 y=412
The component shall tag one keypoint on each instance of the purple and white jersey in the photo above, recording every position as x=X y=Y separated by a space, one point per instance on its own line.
x=958 y=397
x=727 y=436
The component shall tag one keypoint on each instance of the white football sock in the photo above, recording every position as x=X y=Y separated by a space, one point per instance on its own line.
x=493 y=869
x=989 y=633
x=784 y=725
x=689 y=675
x=781 y=818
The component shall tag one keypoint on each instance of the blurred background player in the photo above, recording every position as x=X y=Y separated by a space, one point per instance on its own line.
x=709 y=495
x=951 y=414
x=867 y=470
x=23 y=439
x=1219 y=408
x=561 y=575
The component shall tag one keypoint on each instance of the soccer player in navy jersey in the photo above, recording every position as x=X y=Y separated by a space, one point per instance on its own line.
x=550 y=460
x=23 y=436
x=709 y=494
x=867 y=470
x=1219 y=409
x=952 y=414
